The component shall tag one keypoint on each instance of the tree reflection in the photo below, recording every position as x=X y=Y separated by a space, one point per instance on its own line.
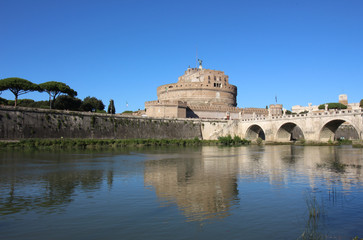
x=46 y=191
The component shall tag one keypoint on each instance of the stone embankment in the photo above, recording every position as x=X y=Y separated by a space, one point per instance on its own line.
x=25 y=123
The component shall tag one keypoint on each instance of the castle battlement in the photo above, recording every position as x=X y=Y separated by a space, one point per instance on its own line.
x=166 y=103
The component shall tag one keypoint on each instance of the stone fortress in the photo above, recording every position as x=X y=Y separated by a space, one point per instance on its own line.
x=207 y=94
x=201 y=93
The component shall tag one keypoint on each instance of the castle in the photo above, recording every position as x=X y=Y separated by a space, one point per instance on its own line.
x=200 y=93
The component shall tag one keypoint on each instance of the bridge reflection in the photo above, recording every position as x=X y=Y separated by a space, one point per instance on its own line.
x=205 y=186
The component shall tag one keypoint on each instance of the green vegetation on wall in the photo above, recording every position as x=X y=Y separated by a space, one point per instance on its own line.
x=236 y=140
x=101 y=143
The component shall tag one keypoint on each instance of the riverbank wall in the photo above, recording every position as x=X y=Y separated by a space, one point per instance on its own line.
x=26 y=123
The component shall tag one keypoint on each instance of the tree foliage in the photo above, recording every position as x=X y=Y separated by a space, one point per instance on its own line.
x=65 y=102
x=54 y=89
x=92 y=104
x=111 y=107
x=3 y=101
x=361 y=103
x=25 y=103
x=333 y=106
x=18 y=86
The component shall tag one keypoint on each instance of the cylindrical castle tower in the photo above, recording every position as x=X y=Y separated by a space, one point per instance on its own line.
x=200 y=87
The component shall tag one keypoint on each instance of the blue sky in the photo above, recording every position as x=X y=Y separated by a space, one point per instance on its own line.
x=298 y=50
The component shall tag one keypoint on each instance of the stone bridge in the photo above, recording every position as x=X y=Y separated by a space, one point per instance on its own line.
x=319 y=126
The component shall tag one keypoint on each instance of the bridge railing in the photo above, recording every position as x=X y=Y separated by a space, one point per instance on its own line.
x=322 y=113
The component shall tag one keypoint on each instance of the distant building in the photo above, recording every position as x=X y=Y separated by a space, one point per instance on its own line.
x=343 y=99
x=275 y=110
x=199 y=93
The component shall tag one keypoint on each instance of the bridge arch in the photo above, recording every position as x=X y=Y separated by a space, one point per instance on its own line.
x=327 y=132
x=255 y=131
x=289 y=132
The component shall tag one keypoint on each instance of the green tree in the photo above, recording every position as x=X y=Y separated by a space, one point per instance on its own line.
x=54 y=89
x=65 y=102
x=361 y=103
x=18 y=86
x=111 y=107
x=333 y=106
x=92 y=104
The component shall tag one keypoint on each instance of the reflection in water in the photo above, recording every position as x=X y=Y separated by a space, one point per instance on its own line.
x=253 y=187
x=205 y=186
x=202 y=186
x=45 y=191
x=44 y=184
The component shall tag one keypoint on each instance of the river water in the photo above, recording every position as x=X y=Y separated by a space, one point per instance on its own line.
x=249 y=192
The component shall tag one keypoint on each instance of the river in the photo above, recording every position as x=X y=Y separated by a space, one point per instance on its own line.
x=209 y=192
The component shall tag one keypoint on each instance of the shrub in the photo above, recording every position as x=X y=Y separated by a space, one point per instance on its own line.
x=196 y=140
x=3 y=101
x=100 y=111
x=361 y=103
x=226 y=140
x=259 y=141
x=236 y=140
x=127 y=112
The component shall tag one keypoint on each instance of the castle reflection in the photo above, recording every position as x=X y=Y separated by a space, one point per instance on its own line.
x=203 y=186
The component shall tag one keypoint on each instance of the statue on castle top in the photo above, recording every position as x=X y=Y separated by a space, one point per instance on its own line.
x=200 y=62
